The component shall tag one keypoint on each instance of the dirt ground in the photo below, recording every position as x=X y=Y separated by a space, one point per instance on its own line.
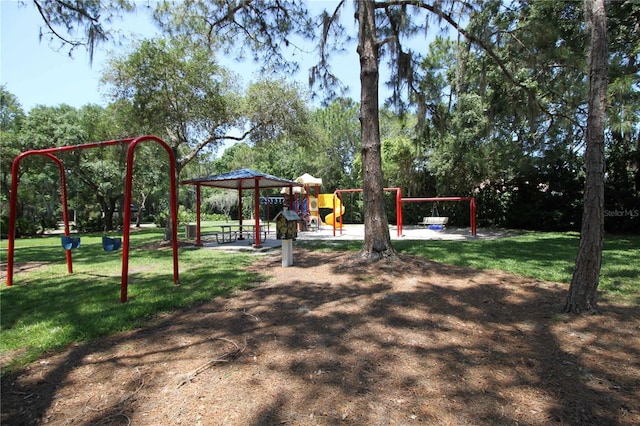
x=333 y=341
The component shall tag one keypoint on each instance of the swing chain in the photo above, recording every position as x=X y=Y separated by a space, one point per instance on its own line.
x=434 y=211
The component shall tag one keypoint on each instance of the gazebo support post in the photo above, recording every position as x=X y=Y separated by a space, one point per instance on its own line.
x=240 y=237
x=256 y=202
x=198 y=220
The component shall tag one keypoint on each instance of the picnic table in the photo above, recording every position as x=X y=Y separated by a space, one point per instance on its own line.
x=231 y=232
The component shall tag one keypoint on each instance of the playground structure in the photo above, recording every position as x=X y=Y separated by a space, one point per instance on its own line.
x=304 y=200
x=310 y=206
x=313 y=201
x=70 y=242
x=329 y=201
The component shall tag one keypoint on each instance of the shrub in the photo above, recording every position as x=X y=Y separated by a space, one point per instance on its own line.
x=25 y=227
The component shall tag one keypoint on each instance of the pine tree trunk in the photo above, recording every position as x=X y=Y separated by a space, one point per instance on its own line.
x=377 y=241
x=586 y=275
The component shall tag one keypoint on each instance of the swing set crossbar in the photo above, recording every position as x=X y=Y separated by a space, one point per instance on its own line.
x=50 y=153
x=80 y=147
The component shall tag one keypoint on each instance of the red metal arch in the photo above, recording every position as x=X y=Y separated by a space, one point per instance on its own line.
x=50 y=153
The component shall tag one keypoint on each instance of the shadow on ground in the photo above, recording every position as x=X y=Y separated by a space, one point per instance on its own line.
x=335 y=341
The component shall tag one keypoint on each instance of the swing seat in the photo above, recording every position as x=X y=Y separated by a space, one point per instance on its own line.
x=429 y=221
x=111 y=244
x=69 y=243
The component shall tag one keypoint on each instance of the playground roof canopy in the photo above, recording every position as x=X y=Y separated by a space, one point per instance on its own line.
x=307 y=179
x=242 y=179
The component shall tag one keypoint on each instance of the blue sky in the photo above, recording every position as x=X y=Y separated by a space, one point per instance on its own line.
x=38 y=75
x=33 y=71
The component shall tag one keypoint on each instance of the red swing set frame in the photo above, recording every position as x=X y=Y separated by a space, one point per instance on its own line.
x=51 y=154
x=472 y=207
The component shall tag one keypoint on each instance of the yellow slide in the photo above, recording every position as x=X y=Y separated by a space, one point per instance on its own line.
x=325 y=201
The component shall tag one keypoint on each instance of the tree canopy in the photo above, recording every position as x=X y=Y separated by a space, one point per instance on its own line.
x=489 y=98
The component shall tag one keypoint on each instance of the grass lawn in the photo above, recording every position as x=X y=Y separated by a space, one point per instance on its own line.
x=547 y=256
x=47 y=308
